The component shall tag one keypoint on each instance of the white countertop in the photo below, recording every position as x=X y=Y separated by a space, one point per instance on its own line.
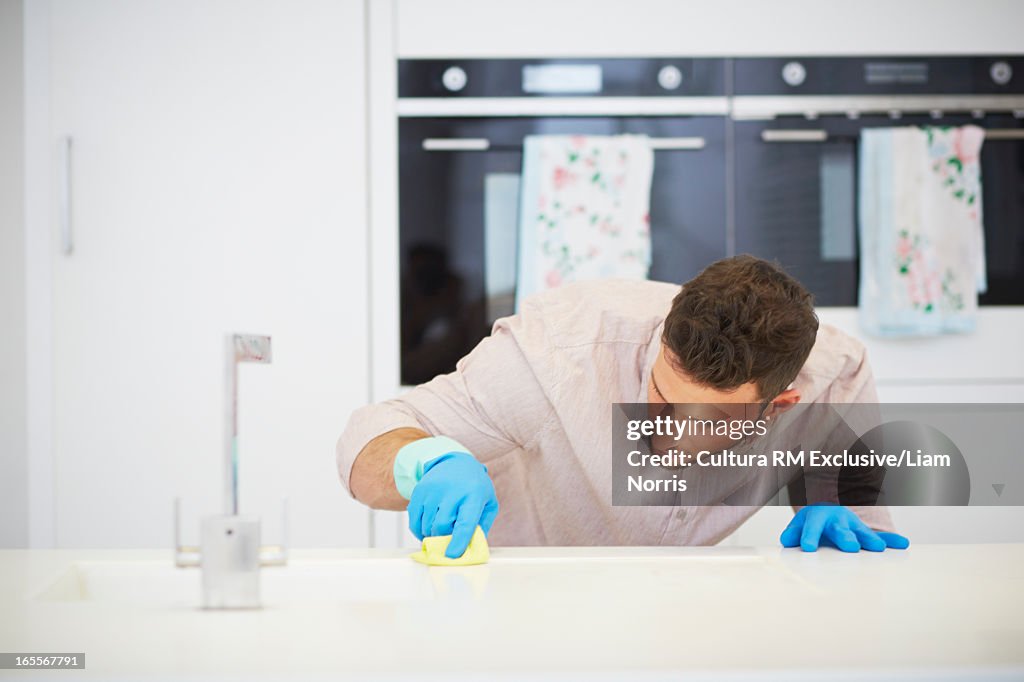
x=939 y=611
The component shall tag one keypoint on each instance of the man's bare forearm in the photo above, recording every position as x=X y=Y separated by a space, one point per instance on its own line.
x=373 y=479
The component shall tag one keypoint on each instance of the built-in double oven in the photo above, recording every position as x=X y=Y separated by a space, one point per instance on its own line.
x=751 y=156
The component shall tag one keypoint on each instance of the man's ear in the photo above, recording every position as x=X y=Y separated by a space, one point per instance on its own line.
x=783 y=402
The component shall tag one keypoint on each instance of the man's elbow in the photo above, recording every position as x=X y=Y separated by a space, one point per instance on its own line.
x=365 y=468
x=357 y=486
x=358 y=433
x=344 y=463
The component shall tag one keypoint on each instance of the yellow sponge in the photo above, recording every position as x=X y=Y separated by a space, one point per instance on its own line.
x=432 y=552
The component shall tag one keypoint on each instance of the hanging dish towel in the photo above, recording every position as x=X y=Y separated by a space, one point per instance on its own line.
x=922 y=261
x=583 y=210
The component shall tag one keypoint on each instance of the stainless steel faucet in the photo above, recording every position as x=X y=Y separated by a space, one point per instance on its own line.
x=239 y=348
x=230 y=553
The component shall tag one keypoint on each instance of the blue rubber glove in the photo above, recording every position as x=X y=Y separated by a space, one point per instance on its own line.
x=836 y=526
x=454 y=496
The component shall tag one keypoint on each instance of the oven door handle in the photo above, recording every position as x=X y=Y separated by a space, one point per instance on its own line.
x=456 y=144
x=677 y=143
x=817 y=135
x=1004 y=133
x=482 y=144
x=811 y=135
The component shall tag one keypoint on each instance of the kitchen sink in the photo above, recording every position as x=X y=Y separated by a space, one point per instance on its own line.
x=161 y=583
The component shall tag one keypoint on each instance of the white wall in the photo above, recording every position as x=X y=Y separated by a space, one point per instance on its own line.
x=13 y=458
x=491 y=28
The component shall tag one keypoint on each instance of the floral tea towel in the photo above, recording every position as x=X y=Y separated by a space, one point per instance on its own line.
x=583 y=210
x=922 y=261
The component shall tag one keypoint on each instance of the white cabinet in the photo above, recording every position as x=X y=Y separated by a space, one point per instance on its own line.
x=217 y=185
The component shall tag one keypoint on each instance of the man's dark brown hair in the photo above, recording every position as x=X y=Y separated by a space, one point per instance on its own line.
x=742 y=319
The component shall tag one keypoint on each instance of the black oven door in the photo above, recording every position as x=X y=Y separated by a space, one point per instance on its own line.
x=796 y=200
x=458 y=219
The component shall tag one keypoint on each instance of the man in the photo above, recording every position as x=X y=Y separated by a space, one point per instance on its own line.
x=524 y=418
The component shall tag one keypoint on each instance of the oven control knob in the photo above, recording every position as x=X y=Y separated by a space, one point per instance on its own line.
x=794 y=74
x=1001 y=73
x=454 y=78
x=670 y=77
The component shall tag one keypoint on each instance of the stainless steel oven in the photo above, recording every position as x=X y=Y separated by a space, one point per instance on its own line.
x=752 y=155
x=796 y=125
x=461 y=128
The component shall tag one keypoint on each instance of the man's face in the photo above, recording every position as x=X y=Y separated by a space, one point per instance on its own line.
x=668 y=386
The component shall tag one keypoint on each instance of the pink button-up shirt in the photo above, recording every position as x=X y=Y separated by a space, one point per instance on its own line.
x=533 y=403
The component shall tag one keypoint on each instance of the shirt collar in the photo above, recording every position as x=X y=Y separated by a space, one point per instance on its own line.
x=653 y=346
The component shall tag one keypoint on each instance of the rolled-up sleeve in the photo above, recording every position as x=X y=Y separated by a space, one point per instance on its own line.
x=491 y=403
x=855 y=385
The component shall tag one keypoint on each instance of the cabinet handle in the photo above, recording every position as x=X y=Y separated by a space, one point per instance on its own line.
x=64 y=195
